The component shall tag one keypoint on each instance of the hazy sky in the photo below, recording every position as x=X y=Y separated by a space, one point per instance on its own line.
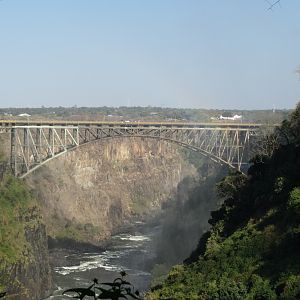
x=185 y=53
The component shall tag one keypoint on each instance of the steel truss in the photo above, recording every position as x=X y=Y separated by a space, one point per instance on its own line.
x=34 y=145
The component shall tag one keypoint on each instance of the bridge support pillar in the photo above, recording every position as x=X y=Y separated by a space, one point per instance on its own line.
x=13 y=164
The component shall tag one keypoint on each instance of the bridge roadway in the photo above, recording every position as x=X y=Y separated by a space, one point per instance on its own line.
x=240 y=125
x=35 y=142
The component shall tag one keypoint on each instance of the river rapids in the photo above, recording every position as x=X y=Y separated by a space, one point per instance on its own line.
x=132 y=253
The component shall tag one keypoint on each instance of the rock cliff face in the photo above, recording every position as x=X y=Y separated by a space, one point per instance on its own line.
x=91 y=192
x=24 y=263
x=30 y=280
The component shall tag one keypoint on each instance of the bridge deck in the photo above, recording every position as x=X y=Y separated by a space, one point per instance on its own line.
x=11 y=123
x=35 y=142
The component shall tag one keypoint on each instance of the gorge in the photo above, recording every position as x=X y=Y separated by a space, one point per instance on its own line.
x=85 y=197
x=105 y=206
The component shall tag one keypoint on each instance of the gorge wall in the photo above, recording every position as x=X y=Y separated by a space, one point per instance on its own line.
x=93 y=191
x=24 y=263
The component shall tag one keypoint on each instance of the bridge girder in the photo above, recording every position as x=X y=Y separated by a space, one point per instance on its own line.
x=34 y=145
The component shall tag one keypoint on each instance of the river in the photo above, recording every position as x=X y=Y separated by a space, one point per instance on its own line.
x=132 y=253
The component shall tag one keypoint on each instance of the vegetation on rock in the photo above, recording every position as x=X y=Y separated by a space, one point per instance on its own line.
x=253 y=248
x=23 y=243
x=16 y=205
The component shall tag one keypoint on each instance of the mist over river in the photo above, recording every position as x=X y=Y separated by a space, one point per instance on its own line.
x=132 y=252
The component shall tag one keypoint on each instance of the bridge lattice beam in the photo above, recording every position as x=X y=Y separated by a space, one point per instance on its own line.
x=33 y=145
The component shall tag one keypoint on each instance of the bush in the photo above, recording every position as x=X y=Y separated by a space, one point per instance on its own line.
x=294 y=200
x=291 y=288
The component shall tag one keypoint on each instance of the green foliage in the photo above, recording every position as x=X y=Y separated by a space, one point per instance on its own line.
x=279 y=184
x=294 y=200
x=231 y=185
x=253 y=248
x=289 y=131
x=19 y=216
x=290 y=287
x=260 y=289
x=16 y=208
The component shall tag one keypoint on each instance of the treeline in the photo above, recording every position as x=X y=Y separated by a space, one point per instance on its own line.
x=253 y=248
x=154 y=113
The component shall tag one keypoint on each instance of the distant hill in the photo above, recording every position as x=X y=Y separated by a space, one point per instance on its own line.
x=143 y=113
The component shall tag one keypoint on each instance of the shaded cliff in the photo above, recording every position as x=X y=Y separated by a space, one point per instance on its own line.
x=186 y=216
x=97 y=189
x=252 y=250
x=24 y=263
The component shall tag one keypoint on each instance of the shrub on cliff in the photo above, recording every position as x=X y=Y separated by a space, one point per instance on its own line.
x=253 y=248
x=15 y=200
x=24 y=269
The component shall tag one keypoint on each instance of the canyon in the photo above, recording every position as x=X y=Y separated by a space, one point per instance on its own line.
x=100 y=188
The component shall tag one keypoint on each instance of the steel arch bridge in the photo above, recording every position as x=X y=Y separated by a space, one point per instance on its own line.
x=35 y=143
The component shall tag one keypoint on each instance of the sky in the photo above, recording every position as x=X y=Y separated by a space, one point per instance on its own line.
x=228 y=54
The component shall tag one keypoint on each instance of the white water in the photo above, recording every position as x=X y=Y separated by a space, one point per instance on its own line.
x=129 y=252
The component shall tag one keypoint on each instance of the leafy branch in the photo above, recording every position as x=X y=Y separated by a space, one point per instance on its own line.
x=118 y=289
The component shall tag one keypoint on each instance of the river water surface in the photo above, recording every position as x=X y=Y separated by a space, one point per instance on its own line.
x=133 y=253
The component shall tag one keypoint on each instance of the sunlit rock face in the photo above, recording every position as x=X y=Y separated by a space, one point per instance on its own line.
x=95 y=190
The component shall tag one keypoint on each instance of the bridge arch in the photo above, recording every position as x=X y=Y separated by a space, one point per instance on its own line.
x=182 y=144
x=34 y=146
